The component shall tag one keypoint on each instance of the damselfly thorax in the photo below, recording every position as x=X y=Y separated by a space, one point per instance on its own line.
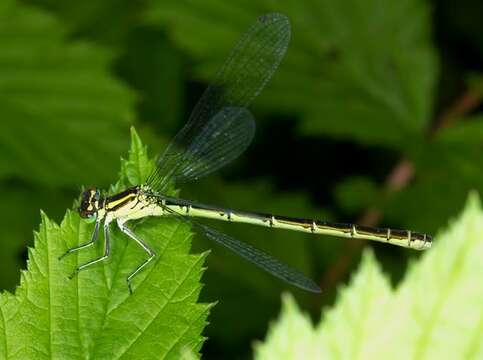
x=219 y=129
x=132 y=204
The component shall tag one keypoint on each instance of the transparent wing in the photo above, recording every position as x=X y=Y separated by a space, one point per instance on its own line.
x=220 y=127
x=260 y=258
x=219 y=142
x=252 y=254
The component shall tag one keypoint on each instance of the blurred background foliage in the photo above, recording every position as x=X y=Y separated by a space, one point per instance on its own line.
x=374 y=117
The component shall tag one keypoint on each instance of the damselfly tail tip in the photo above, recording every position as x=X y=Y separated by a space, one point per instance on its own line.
x=427 y=242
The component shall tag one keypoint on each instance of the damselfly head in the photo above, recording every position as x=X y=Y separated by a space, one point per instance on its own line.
x=90 y=203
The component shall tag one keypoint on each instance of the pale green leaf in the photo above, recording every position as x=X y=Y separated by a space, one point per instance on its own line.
x=63 y=113
x=292 y=337
x=440 y=300
x=354 y=69
x=435 y=313
x=93 y=315
x=360 y=312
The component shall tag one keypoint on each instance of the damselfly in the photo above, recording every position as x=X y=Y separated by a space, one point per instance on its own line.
x=219 y=129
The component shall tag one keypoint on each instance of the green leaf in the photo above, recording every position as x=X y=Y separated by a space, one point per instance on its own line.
x=466 y=133
x=354 y=69
x=138 y=166
x=358 y=314
x=93 y=315
x=434 y=313
x=291 y=337
x=147 y=61
x=107 y=21
x=152 y=66
x=63 y=114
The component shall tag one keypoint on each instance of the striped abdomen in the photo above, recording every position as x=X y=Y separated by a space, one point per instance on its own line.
x=404 y=238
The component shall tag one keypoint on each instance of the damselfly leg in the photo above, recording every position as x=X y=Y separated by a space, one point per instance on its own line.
x=85 y=245
x=107 y=250
x=122 y=226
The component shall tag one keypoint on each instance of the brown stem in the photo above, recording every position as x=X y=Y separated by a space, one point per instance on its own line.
x=470 y=100
x=397 y=179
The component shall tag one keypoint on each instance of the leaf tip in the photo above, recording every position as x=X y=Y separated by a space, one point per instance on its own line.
x=134 y=134
x=44 y=218
x=288 y=299
x=43 y=214
x=473 y=201
x=205 y=254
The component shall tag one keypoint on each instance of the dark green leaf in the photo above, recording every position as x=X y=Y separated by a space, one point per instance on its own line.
x=354 y=69
x=63 y=114
x=356 y=194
